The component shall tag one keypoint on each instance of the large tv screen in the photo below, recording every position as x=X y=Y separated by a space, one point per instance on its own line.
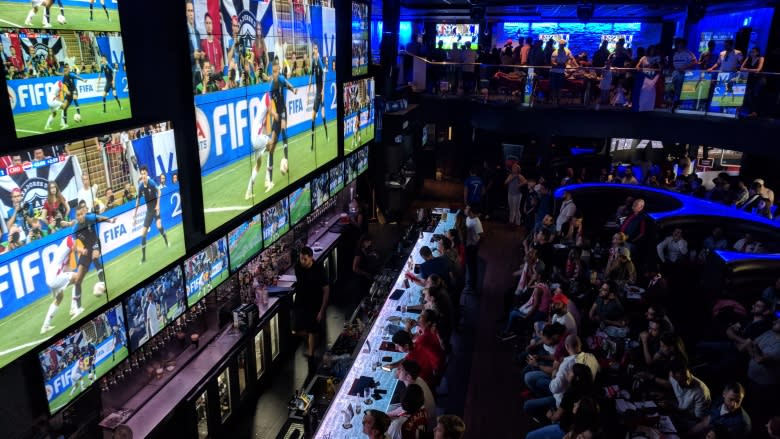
x=206 y=270
x=351 y=168
x=73 y=363
x=358 y=113
x=362 y=160
x=458 y=34
x=264 y=80
x=244 y=242
x=300 y=203
x=360 y=49
x=276 y=222
x=70 y=229
x=150 y=309
x=66 y=66
x=320 y=190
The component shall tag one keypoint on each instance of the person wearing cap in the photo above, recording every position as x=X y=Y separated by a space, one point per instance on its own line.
x=559 y=313
x=623 y=271
x=764 y=191
x=560 y=57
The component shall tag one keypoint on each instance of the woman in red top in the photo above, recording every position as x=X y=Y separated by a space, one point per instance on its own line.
x=56 y=206
x=419 y=354
x=428 y=338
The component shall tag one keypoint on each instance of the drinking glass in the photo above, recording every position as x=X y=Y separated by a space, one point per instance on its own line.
x=367 y=396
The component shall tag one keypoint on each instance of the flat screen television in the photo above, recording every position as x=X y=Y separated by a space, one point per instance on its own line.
x=78 y=359
x=320 y=190
x=458 y=34
x=358 y=113
x=205 y=270
x=244 y=242
x=276 y=222
x=300 y=203
x=361 y=51
x=265 y=97
x=336 y=178
x=53 y=87
x=154 y=306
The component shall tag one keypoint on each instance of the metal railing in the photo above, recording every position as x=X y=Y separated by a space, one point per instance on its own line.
x=693 y=91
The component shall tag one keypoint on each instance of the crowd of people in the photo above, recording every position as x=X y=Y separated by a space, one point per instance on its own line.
x=600 y=325
x=623 y=76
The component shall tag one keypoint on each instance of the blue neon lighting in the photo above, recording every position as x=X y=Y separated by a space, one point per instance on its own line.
x=730 y=256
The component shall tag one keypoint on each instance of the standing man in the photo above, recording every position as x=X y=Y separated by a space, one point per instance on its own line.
x=196 y=55
x=567 y=212
x=311 y=298
x=682 y=60
x=473 y=190
x=635 y=226
x=473 y=235
x=107 y=71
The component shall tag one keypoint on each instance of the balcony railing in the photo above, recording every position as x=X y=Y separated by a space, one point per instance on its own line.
x=739 y=94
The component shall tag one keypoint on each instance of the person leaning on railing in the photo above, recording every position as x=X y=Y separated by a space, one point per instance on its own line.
x=753 y=65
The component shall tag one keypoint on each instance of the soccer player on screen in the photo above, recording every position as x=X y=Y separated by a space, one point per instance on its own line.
x=260 y=141
x=318 y=70
x=88 y=253
x=58 y=276
x=278 y=85
x=108 y=71
x=54 y=102
x=68 y=87
x=92 y=6
x=150 y=192
x=72 y=86
x=36 y=4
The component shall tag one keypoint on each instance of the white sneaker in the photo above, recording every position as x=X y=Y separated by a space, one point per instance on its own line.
x=28 y=22
x=248 y=195
x=47 y=128
x=77 y=313
x=63 y=126
x=46 y=328
x=269 y=185
x=45 y=23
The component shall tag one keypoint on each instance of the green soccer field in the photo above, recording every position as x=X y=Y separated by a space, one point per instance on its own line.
x=301 y=208
x=21 y=332
x=696 y=90
x=213 y=283
x=33 y=123
x=728 y=101
x=14 y=14
x=125 y=271
x=275 y=237
x=224 y=189
x=359 y=70
x=366 y=134
x=64 y=398
x=247 y=246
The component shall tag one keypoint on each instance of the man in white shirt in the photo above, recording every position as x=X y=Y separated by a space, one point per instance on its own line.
x=409 y=373
x=730 y=59
x=748 y=244
x=473 y=235
x=567 y=212
x=88 y=193
x=682 y=60
x=764 y=191
x=693 y=396
x=673 y=248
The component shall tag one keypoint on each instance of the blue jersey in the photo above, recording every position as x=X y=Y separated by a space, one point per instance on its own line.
x=107 y=71
x=277 y=93
x=318 y=71
x=149 y=191
x=474 y=185
x=85 y=232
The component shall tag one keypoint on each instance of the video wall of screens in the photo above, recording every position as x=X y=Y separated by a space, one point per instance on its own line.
x=75 y=216
x=206 y=270
x=360 y=48
x=336 y=178
x=320 y=190
x=244 y=242
x=262 y=72
x=458 y=34
x=53 y=83
x=276 y=222
x=358 y=113
x=153 y=307
x=81 y=357
x=300 y=203
x=351 y=168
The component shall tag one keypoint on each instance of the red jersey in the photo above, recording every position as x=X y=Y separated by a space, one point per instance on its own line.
x=427 y=361
x=429 y=341
x=213 y=50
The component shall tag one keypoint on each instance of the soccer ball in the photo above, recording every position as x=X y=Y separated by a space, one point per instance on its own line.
x=99 y=289
x=77 y=117
x=61 y=19
x=284 y=166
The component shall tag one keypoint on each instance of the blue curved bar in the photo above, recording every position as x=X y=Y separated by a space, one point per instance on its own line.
x=730 y=256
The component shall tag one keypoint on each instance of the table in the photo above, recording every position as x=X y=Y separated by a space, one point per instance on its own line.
x=332 y=425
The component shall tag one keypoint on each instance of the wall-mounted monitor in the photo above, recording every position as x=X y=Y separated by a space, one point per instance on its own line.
x=276 y=222
x=72 y=228
x=206 y=270
x=336 y=178
x=320 y=190
x=244 y=242
x=363 y=160
x=458 y=34
x=360 y=39
x=358 y=113
x=265 y=99
x=154 y=306
x=81 y=357
x=66 y=70
x=351 y=168
x=300 y=203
